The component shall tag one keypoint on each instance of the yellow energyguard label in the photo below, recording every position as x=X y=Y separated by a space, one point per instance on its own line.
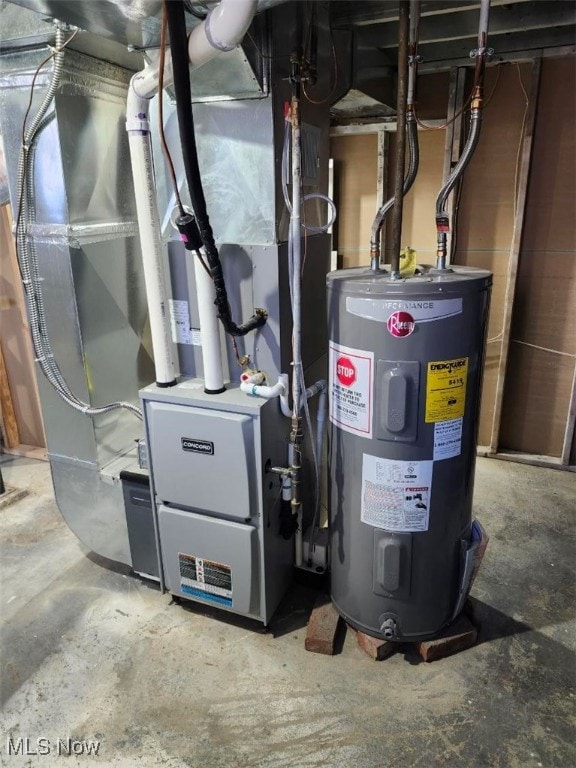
x=446 y=389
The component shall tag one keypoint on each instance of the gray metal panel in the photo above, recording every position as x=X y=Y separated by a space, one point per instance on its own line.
x=274 y=554
x=140 y=522
x=92 y=280
x=229 y=544
x=68 y=432
x=236 y=157
x=92 y=508
x=116 y=347
x=220 y=479
x=397 y=390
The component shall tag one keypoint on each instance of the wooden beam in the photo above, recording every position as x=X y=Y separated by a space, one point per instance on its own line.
x=532 y=459
x=523 y=177
x=503 y=21
x=7 y=414
x=365 y=128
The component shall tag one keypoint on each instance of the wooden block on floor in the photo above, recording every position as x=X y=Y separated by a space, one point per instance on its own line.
x=322 y=627
x=11 y=495
x=459 y=636
x=376 y=648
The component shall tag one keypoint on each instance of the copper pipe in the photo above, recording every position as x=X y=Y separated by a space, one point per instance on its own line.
x=403 y=34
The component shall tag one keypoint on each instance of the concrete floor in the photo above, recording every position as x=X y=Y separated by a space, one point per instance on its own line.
x=89 y=652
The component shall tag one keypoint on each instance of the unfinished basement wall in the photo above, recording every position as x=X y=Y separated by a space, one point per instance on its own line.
x=16 y=348
x=355 y=178
x=542 y=355
x=539 y=393
x=356 y=181
x=487 y=207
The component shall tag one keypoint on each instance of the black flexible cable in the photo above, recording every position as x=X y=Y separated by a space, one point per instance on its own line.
x=179 y=48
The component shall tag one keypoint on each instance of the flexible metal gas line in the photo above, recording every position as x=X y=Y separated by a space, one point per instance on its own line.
x=412 y=136
x=414 y=161
x=442 y=219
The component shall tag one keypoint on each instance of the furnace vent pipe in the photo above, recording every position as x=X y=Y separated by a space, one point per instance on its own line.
x=221 y=31
x=182 y=90
x=209 y=330
x=442 y=222
x=225 y=27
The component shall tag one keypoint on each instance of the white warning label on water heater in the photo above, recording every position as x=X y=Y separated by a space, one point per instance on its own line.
x=396 y=494
x=351 y=373
x=447 y=439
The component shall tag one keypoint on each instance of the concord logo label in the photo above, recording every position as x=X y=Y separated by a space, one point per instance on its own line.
x=197 y=446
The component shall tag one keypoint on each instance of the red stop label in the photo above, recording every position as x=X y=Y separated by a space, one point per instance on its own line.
x=345 y=371
x=400 y=324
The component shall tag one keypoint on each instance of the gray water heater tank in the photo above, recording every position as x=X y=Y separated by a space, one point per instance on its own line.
x=405 y=371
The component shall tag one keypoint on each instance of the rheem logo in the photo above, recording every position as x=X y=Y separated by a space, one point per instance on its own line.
x=400 y=324
x=345 y=371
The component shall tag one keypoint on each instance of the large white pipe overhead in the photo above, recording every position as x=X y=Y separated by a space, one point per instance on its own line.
x=221 y=31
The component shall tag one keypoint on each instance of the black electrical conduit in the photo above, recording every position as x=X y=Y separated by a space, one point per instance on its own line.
x=180 y=62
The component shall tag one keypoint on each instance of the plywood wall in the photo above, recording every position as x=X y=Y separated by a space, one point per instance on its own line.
x=538 y=389
x=486 y=217
x=355 y=173
x=15 y=341
x=539 y=381
x=418 y=217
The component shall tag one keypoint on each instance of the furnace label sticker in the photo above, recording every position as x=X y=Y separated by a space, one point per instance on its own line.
x=447 y=439
x=180 y=322
x=446 y=389
x=396 y=494
x=205 y=579
x=351 y=374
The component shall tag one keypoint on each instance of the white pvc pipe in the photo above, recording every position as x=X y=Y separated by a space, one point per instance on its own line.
x=209 y=329
x=149 y=229
x=221 y=31
x=261 y=390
